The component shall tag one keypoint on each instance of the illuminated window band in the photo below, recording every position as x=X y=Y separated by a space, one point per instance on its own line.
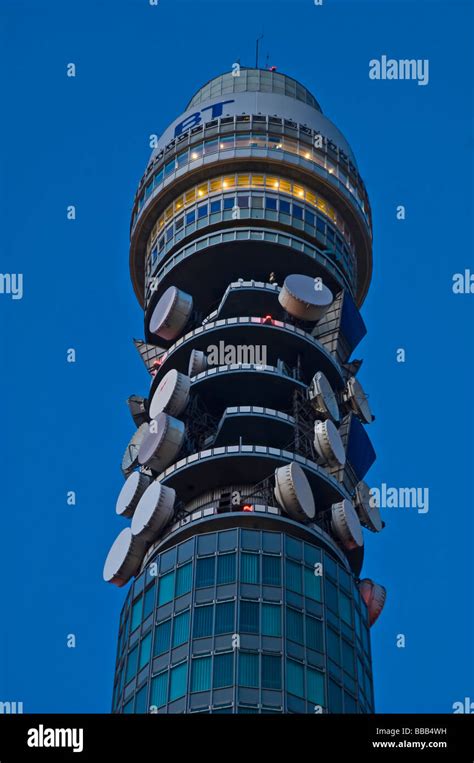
x=179 y=214
x=262 y=141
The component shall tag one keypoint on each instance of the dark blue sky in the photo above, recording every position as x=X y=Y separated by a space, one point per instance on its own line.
x=84 y=141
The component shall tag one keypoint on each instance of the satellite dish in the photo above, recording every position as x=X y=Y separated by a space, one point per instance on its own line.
x=367 y=509
x=346 y=526
x=323 y=398
x=197 y=362
x=293 y=492
x=130 y=457
x=305 y=297
x=356 y=398
x=171 y=313
x=162 y=442
x=130 y=494
x=171 y=395
x=138 y=410
x=374 y=596
x=328 y=443
x=124 y=558
x=154 y=511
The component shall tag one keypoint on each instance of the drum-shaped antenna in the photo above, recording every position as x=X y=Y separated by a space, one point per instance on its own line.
x=328 y=443
x=171 y=313
x=304 y=297
x=374 y=596
x=162 y=442
x=133 y=489
x=153 y=512
x=346 y=525
x=366 y=508
x=293 y=492
x=130 y=457
x=171 y=395
x=322 y=397
x=124 y=558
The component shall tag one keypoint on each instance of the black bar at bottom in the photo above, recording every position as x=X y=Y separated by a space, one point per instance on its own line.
x=117 y=738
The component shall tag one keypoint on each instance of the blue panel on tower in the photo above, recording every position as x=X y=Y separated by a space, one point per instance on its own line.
x=360 y=451
x=352 y=325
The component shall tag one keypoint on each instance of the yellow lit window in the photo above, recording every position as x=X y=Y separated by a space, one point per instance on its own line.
x=258 y=180
x=243 y=180
x=228 y=181
x=216 y=185
x=311 y=197
x=331 y=213
x=272 y=182
x=298 y=191
x=169 y=212
x=285 y=187
x=179 y=203
x=321 y=205
x=202 y=190
x=162 y=222
x=190 y=196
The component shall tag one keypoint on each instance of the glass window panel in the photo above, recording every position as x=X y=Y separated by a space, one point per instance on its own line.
x=159 y=689
x=333 y=645
x=203 y=211
x=285 y=207
x=348 y=658
x=205 y=574
x=225 y=617
x=270 y=202
x=178 y=680
x=249 y=616
x=314 y=634
x=249 y=568
x=201 y=674
x=297 y=212
x=145 y=651
x=335 y=697
x=295 y=678
x=140 y=701
x=248 y=669
x=190 y=217
x=149 y=603
x=128 y=708
x=285 y=187
x=272 y=182
x=196 y=152
x=229 y=203
x=203 y=621
x=271 y=570
x=179 y=204
x=202 y=190
x=223 y=670
x=132 y=663
x=190 y=196
x=293 y=576
x=350 y=705
x=215 y=206
x=181 y=629
x=258 y=180
x=226 y=565
x=294 y=548
x=331 y=596
x=166 y=589
x=312 y=584
x=345 y=608
x=294 y=625
x=315 y=686
x=184 y=579
x=271 y=672
x=162 y=637
x=136 y=614
x=228 y=181
x=243 y=180
x=271 y=620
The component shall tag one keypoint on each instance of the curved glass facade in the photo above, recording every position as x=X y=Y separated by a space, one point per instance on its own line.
x=244 y=621
x=253 y=80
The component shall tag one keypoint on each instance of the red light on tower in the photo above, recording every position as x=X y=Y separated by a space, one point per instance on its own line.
x=247 y=507
x=268 y=319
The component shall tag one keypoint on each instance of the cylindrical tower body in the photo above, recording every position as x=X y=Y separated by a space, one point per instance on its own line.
x=250 y=254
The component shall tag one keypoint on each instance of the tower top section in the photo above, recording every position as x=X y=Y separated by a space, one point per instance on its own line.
x=253 y=81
